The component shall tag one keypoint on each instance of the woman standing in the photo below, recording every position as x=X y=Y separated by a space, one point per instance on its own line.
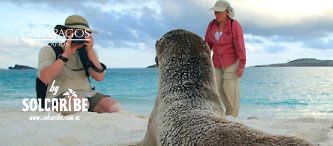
x=225 y=36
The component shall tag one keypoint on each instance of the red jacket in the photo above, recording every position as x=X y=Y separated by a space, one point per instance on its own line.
x=230 y=47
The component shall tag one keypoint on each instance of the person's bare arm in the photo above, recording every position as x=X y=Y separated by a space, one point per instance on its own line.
x=51 y=72
x=93 y=58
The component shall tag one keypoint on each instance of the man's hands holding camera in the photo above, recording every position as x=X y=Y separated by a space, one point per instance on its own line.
x=72 y=44
x=70 y=48
x=89 y=43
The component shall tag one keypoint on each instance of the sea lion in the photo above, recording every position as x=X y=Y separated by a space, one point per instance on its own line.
x=188 y=110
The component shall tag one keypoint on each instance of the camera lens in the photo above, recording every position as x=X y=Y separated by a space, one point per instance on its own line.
x=78 y=37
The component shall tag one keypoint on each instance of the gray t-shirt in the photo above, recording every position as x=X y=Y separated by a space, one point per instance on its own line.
x=67 y=78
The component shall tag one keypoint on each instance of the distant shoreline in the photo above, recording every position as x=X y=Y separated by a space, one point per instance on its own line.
x=303 y=62
x=19 y=67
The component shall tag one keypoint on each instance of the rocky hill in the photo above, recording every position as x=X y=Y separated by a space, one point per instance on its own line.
x=304 y=62
x=21 y=67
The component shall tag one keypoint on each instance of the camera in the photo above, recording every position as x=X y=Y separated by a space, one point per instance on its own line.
x=79 y=37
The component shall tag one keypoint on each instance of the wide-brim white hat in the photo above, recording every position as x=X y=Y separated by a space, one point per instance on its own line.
x=221 y=6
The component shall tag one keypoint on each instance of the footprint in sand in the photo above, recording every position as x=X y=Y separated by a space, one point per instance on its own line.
x=68 y=140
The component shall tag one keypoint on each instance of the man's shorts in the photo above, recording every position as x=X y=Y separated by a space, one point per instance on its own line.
x=93 y=101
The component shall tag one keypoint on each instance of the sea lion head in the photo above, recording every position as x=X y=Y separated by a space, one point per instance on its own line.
x=184 y=61
x=181 y=44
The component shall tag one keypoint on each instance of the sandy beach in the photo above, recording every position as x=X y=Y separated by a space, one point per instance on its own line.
x=125 y=128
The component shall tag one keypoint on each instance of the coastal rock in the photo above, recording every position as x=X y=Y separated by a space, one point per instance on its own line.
x=304 y=62
x=152 y=66
x=21 y=67
x=253 y=118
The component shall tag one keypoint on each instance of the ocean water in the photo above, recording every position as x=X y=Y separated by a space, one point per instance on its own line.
x=290 y=92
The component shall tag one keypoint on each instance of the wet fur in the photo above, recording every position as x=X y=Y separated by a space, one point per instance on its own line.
x=188 y=110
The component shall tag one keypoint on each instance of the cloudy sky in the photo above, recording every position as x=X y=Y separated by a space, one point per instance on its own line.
x=275 y=31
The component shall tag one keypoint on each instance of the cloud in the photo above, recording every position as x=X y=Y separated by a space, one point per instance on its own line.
x=18 y=52
x=289 y=54
x=258 y=17
x=286 y=18
x=270 y=27
x=263 y=50
x=127 y=57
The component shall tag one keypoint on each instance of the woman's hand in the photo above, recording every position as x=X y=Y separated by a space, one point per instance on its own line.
x=240 y=72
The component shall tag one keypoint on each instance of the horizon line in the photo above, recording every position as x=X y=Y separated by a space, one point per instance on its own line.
x=60 y=39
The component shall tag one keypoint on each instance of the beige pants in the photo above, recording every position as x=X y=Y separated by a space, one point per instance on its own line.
x=228 y=87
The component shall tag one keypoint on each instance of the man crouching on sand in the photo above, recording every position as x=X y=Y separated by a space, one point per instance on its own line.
x=65 y=69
